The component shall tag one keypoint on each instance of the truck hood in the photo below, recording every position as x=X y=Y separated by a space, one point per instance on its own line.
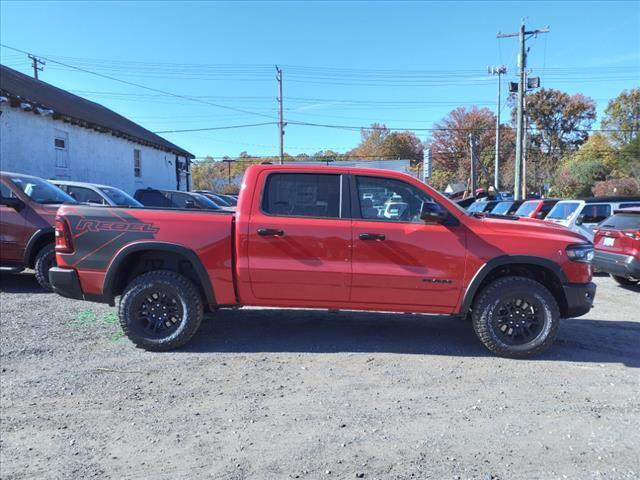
x=532 y=228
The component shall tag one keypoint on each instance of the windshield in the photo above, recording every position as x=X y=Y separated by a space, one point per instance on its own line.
x=526 y=209
x=204 y=202
x=41 y=191
x=563 y=210
x=118 y=197
x=502 y=208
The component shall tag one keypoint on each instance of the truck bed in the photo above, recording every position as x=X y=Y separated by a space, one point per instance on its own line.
x=101 y=235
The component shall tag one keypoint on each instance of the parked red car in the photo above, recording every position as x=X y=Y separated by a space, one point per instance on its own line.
x=536 y=208
x=326 y=237
x=28 y=208
x=617 y=246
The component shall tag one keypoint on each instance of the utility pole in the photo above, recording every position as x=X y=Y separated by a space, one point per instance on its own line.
x=524 y=156
x=280 y=119
x=472 y=145
x=499 y=71
x=523 y=34
x=36 y=64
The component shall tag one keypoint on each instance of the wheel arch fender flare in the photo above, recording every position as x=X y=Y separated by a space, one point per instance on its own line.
x=30 y=250
x=501 y=261
x=111 y=277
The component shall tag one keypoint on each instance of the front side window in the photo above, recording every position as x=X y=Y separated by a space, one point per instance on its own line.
x=595 y=213
x=302 y=195
x=5 y=192
x=502 y=208
x=390 y=200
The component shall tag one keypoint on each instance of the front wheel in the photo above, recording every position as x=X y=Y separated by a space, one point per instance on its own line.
x=160 y=310
x=516 y=317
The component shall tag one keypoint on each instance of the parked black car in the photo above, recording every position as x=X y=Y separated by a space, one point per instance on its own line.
x=151 y=197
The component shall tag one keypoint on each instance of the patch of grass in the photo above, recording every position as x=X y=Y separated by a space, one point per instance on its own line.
x=89 y=318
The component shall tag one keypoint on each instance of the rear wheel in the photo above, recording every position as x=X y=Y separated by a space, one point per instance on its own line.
x=160 y=310
x=624 y=281
x=516 y=317
x=45 y=259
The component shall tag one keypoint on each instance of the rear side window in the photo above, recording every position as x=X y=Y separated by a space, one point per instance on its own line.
x=5 y=191
x=502 y=208
x=302 y=195
x=153 y=198
x=85 y=195
x=623 y=221
x=595 y=213
x=180 y=200
x=526 y=209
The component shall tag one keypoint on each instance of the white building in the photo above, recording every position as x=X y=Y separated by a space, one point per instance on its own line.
x=51 y=133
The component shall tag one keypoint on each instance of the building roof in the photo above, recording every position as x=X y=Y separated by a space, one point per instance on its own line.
x=46 y=98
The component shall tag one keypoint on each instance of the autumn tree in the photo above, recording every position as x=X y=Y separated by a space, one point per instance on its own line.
x=622 y=117
x=558 y=124
x=451 y=151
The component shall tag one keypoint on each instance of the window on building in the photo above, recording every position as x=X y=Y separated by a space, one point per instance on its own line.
x=302 y=195
x=61 y=144
x=137 y=166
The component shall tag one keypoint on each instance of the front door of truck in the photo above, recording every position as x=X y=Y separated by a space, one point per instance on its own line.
x=299 y=239
x=12 y=229
x=398 y=259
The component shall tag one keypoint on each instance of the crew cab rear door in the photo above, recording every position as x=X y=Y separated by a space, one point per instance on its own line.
x=398 y=259
x=12 y=230
x=299 y=239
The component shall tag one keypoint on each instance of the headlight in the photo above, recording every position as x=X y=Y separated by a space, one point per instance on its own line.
x=580 y=253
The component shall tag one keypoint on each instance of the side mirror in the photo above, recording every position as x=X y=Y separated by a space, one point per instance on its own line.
x=12 y=202
x=432 y=213
x=580 y=220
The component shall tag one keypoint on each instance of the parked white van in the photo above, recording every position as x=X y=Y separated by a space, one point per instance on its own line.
x=583 y=215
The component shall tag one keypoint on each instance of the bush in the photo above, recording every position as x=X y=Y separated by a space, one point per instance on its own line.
x=618 y=186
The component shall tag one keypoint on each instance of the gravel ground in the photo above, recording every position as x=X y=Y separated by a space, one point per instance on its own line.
x=271 y=394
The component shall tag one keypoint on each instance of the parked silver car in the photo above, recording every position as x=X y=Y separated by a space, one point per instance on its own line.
x=96 y=194
x=583 y=215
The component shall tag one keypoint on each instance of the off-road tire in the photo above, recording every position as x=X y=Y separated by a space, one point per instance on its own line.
x=185 y=292
x=487 y=301
x=45 y=259
x=624 y=281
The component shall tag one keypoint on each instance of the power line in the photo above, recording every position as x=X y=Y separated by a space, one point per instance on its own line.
x=144 y=86
x=228 y=127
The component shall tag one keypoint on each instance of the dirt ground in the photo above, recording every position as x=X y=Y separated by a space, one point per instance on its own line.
x=270 y=394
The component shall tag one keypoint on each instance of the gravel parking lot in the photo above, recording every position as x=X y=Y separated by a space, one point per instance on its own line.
x=269 y=394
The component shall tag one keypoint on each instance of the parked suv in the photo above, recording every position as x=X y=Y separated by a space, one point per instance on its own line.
x=617 y=246
x=96 y=194
x=582 y=216
x=150 y=197
x=28 y=208
x=536 y=208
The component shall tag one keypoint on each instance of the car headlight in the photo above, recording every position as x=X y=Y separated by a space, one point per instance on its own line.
x=582 y=252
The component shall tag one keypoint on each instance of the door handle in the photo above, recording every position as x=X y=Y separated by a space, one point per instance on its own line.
x=270 y=232
x=372 y=236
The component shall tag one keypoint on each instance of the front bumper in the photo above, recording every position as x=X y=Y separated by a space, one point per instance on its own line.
x=579 y=298
x=616 y=264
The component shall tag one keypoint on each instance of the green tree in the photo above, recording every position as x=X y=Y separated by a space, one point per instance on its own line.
x=559 y=124
x=577 y=177
x=622 y=116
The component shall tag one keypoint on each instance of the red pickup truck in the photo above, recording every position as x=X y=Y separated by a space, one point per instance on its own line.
x=326 y=237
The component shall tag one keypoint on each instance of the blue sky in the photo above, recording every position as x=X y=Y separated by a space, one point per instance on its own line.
x=403 y=64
